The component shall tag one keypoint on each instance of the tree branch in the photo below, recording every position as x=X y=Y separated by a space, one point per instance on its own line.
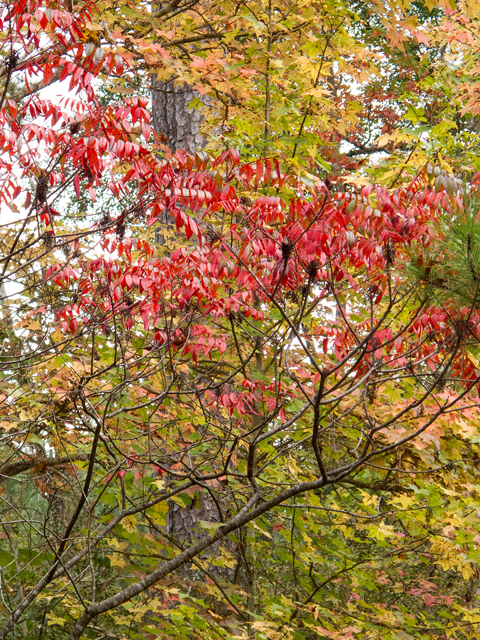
x=13 y=469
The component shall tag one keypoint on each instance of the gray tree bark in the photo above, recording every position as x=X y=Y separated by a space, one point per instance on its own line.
x=177 y=125
x=180 y=126
x=172 y=117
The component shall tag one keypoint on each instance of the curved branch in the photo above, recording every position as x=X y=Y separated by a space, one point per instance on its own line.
x=40 y=464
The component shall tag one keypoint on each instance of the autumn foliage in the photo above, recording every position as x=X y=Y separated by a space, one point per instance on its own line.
x=275 y=339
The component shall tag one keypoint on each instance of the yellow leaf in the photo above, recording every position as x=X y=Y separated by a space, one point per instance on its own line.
x=262 y=625
x=158 y=513
x=382 y=140
x=130 y=524
x=286 y=601
x=367 y=498
x=264 y=533
x=294 y=468
x=381 y=531
x=227 y=560
x=118 y=88
x=53 y=619
x=43 y=597
x=473 y=359
x=114 y=542
x=92 y=26
x=472 y=8
x=467 y=570
x=358 y=181
x=318 y=92
x=404 y=501
x=116 y=560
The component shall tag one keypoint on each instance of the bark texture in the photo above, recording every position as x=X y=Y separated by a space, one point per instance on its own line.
x=173 y=118
x=183 y=525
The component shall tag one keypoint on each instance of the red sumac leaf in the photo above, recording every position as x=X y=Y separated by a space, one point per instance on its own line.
x=76 y=184
x=47 y=74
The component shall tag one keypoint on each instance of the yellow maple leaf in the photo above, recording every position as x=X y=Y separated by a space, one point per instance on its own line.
x=53 y=619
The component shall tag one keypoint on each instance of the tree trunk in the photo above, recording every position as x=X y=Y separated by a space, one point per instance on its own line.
x=172 y=117
x=180 y=126
x=177 y=124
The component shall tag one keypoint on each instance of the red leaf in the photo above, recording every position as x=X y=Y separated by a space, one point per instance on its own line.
x=76 y=184
x=145 y=284
x=47 y=74
x=258 y=172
